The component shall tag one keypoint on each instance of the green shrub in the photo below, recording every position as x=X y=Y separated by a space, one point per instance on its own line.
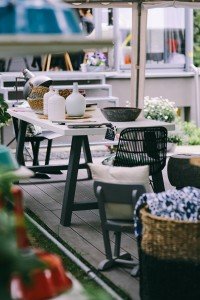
x=196 y=37
x=175 y=138
x=191 y=131
x=4 y=116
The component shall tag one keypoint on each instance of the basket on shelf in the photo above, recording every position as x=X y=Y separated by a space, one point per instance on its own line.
x=169 y=254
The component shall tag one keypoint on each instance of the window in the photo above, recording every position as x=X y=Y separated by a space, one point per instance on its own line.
x=165 y=46
x=166 y=37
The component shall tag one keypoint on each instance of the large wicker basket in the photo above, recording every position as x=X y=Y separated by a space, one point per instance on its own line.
x=169 y=259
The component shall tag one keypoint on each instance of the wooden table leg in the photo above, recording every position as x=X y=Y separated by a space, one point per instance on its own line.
x=16 y=126
x=87 y=154
x=70 y=186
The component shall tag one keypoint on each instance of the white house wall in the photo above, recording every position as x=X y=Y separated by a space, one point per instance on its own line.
x=181 y=90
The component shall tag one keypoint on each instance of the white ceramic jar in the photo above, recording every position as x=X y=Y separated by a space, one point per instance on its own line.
x=46 y=97
x=56 y=107
x=75 y=103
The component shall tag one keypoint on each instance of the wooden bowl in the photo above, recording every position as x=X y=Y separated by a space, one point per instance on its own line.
x=121 y=114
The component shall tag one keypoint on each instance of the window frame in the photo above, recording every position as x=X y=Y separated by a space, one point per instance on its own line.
x=164 y=66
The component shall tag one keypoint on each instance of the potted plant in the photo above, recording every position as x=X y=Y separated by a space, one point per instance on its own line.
x=159 y=108
x=14 y=261
x=4 y=116
x=95 y=61
x=173 y=140
x=25 y=272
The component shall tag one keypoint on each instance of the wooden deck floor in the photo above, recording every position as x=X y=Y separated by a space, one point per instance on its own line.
x=84 y=235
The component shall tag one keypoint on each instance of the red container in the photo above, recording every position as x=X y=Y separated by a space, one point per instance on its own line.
x=21 y=233
x=46 y=283
x=60 y=280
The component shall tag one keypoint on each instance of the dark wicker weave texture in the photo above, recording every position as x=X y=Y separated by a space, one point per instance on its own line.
x=162 y=279
x=142 y=146
x=170 y=239
x=169 y=259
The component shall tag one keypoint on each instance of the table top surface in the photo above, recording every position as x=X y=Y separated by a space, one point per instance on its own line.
x=96 y=117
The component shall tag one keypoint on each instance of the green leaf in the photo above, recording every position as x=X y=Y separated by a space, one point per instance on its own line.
x=12 y=259
x=4 y=115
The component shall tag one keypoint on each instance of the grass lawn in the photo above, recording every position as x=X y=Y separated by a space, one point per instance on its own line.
x=94 y=291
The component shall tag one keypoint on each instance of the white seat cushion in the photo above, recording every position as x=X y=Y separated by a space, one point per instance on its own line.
x=121 y=175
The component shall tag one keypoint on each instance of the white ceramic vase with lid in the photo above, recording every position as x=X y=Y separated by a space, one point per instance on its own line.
x=56 y=107
x=46 y=97
x=75 y=103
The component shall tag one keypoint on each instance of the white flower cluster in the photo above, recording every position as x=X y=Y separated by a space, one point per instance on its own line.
x=159 y=108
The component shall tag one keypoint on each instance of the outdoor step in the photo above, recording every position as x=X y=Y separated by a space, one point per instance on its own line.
x=55 y=75
x=66 y=75
x=112 y=99
x=89 y=100
x=59 y=87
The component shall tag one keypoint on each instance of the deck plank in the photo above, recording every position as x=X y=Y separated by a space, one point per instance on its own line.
x=127 y=244
x=84 y=236
x=92 y=250
x=42 y=197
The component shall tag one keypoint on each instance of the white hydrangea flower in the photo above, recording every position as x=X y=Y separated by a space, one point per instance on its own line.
x=159 y=108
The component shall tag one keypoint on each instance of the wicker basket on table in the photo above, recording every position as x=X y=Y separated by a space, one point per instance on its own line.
x=64 y=93
x=35 y=98
x=169 y=254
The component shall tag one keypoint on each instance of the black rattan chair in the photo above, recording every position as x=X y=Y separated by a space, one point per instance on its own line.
x=36 y=140
x=115 y=195
x=144 y=146
x=35 y=144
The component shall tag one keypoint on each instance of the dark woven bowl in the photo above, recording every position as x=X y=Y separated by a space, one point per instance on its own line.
x=121 y=114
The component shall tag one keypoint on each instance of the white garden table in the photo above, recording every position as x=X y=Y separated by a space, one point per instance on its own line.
x=79 y=142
